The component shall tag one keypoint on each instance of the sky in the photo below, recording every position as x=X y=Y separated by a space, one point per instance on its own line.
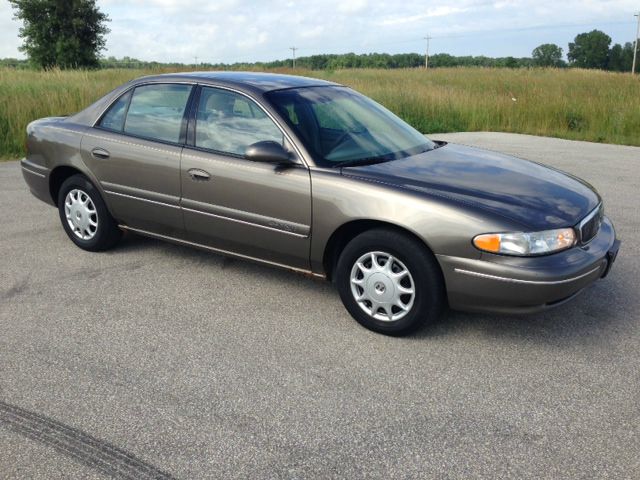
x=228 y=31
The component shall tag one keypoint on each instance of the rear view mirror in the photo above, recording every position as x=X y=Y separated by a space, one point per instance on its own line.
x=267 y=151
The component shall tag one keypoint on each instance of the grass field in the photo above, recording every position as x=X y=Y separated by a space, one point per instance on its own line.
x=575 y=104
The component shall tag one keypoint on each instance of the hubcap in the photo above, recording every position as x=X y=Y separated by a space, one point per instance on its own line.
x=383 y=286
x=81 y=214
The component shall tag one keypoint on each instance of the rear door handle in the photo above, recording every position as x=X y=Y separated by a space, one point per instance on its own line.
x=199 y=175
x=100 y=153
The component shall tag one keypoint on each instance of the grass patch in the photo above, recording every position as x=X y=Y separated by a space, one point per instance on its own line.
x=569 y=103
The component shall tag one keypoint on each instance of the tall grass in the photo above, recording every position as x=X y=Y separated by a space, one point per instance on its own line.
x=27 y=95
x=576 y=104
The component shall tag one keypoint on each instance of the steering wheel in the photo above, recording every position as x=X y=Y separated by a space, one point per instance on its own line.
x=339 y=141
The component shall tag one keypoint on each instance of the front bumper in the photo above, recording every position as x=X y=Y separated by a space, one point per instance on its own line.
x=528 y=284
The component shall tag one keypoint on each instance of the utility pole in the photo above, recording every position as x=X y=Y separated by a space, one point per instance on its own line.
x=426 y=55
x=635 y=45
x=196 y=60
x=294 y=55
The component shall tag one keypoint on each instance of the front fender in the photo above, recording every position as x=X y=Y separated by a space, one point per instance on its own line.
x=445 y=227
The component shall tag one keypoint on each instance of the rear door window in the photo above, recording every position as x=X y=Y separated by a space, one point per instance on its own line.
x=156 y=111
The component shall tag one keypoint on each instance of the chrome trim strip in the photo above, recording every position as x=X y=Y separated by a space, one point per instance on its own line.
x=33 y=165
x=141 y=193
x=32 y=172
x=527 y=282
x=222 y=217
x=590 y=215
x=140 y=84
x=195 y=83
x=141 y=199
x=257 y=102
x=219 y=250
x=587 y=219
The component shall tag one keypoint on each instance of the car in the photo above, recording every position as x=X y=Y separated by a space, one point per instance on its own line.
x=312 y=176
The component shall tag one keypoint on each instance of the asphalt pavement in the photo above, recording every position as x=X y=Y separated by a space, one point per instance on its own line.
x=160 y=361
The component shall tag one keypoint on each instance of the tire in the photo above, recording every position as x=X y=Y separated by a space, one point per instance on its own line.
x=90 y=225
x=384 y=305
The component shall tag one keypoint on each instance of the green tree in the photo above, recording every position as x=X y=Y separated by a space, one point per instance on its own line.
x=547 y=55
x=620 y=58
x=590 y=50
x=511 y=62
x=61 y=33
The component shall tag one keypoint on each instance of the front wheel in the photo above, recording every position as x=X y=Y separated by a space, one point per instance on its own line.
x=84 y=215
x=389 y=282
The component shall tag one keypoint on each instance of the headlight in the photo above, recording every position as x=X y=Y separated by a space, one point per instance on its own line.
x=526 y=244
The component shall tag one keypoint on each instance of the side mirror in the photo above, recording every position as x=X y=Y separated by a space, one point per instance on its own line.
x=267 y=151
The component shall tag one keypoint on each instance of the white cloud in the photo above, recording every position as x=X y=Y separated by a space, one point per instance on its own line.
x=352 y=6
x=253 y=38
x=313 y=32
x=9 y=28
x=431 y=13
x=236 y=30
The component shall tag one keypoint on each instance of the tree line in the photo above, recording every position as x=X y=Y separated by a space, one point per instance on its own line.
x=72 y=35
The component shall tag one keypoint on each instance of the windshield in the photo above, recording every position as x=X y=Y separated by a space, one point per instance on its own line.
x=340 y=127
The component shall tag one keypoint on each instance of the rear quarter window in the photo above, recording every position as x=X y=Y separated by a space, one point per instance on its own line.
x=114 y=118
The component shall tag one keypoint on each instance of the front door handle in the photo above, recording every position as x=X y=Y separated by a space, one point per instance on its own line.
x=199 y=175
x=100 y=153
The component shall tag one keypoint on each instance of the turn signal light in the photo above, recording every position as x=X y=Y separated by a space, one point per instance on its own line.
x=489 y=242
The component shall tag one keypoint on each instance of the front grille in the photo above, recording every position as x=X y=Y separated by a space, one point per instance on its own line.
x=590 y=225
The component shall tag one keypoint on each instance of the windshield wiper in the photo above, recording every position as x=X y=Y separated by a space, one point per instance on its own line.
x=362 y=161
x=383 y=158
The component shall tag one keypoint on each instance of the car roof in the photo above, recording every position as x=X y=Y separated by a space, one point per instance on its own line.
x=255 y=81
x=251 y=83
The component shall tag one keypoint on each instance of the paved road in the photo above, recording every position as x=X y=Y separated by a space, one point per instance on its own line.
x=158 y=361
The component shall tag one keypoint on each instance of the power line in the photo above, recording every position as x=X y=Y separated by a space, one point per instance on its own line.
x=533 y=27
x=324 y=48
x=479 y=33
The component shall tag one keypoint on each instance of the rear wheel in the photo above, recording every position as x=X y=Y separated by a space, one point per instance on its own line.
x=84 y=215
x=389 y=282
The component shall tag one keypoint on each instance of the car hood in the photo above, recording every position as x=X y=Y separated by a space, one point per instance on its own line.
x=533 y=195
